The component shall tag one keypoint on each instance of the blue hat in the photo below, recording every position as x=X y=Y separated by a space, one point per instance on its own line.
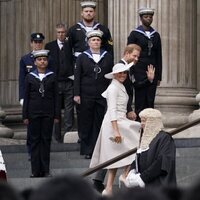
x=40 y=53
x=37 y=37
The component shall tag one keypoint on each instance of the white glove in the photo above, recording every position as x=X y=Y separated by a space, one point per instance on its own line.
x=129 y=178
x=21 y=101
x=133 y=180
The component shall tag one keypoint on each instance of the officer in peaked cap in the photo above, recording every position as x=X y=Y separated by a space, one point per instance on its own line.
x=37 y=37
x=91 y=4
x=145 y=11
x=27 y=62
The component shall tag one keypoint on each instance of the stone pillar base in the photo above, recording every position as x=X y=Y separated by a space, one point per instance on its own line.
x=176 y=104
x=4 y=131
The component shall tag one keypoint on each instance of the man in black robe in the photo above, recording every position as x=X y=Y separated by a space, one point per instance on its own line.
x=155 y=159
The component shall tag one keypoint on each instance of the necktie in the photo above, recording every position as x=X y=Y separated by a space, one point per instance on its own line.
x=61 y=45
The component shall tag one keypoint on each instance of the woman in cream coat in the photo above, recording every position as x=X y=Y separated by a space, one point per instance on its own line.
x=118 y=134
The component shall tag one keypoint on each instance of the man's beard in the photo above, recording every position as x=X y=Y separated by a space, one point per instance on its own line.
x=88 y=20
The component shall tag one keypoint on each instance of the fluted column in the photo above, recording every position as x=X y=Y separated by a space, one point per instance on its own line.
x=175 y=20
x=198 y=44
x=18 y=19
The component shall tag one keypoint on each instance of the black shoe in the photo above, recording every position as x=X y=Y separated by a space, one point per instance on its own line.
x=79 y=141
x=88 y=156
x=98 y=185
x=47 y=175
x=59 y=141
x=35 y=176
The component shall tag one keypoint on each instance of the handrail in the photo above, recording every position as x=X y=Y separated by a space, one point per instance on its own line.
x=132 y=151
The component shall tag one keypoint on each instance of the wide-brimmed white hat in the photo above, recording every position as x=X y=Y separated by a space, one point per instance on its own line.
x=119 y=67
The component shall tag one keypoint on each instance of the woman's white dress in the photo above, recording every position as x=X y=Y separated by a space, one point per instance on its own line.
x=105 y=149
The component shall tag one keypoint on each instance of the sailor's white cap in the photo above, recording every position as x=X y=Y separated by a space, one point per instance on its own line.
x=40 y=53
x=85 y=4
x=146 y=11
x=94 y=33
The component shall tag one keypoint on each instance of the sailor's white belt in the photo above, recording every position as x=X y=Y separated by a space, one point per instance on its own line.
x=76 y=54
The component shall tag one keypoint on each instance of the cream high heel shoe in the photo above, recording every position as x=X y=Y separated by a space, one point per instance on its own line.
x=122 y=180
x=106 y=193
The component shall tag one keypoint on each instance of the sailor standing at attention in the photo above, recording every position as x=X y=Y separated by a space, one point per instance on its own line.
x=151 y=54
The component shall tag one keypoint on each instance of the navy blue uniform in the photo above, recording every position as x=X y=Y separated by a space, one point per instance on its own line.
x=41 y=107
x=89 y=84
x=26 y=66
x=151 y=54
x=78 y=40
x=78 y=43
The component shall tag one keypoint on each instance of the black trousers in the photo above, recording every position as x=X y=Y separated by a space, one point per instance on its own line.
x=144 y=98
x=91 y=116
x=40 y=139
x=66 y=101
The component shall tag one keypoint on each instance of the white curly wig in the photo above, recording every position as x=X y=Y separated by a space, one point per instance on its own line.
x=152 y=127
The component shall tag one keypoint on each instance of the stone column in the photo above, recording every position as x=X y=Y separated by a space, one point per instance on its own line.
x=198 y=44
x=176 y=23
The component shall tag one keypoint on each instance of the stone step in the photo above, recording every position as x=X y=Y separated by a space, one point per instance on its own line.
x=187 y=163
x=25 y=183
x=65 y=158
x=55 y=147
x=25 y=173
x=58 y=160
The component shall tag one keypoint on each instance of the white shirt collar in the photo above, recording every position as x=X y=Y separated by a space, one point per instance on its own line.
x=124 y=61
x=60 y=44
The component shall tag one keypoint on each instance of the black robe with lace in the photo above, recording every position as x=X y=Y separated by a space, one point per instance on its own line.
x=157 y=165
